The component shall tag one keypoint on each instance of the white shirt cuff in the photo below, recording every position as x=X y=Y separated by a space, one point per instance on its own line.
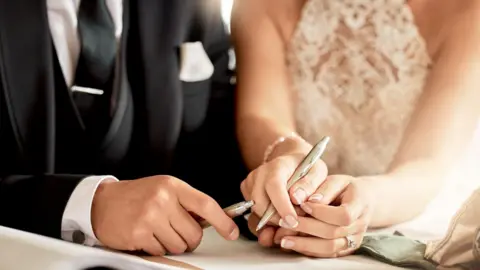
x=76 y=220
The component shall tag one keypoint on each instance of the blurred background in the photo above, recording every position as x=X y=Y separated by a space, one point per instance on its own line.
x=226 y=11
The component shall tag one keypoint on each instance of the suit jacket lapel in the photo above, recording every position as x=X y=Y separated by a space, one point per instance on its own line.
x=26 y=73
x=158 y=37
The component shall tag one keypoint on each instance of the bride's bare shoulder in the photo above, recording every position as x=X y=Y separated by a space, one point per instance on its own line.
x=464 y=31
x=448 y=22
x=283 y=14
x=467 y=16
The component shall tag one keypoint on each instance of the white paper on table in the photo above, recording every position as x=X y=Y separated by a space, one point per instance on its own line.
x=216 y=253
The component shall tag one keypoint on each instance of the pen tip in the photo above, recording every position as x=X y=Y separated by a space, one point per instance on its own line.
x=260 y=225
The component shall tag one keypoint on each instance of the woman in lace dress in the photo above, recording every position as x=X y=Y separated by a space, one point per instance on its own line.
x=394 y=83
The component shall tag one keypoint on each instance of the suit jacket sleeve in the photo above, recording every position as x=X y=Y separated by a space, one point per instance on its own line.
x=36 y=203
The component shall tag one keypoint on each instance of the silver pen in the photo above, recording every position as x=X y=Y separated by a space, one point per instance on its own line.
x=232 y=211
x=302 y=170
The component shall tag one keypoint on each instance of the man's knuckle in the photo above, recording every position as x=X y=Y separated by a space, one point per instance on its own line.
x=136 y=234
x=206 y=204
x=171 y=182
x=147 y=214
x=163 y=197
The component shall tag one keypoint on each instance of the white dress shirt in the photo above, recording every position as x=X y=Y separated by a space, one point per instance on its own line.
x=62 y=17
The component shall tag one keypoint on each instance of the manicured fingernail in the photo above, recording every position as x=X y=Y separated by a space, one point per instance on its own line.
x=306 y=208
x=283 y=224
x=234 y=234
x=316 y=198
x=287 y=244
x=289 y=222
x=300 y=195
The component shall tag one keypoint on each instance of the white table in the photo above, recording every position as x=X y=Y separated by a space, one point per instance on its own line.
x=24 y=251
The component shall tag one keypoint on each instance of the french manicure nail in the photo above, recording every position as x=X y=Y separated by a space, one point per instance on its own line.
x=287 y=244
x=234 y=234
x=316 y=198
x=300 y=195
x=288 y=222
x=291 y=221
x=284 y=224
x=306 y=208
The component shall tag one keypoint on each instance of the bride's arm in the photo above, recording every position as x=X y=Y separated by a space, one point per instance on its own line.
x=440 y=131
x=264 y=108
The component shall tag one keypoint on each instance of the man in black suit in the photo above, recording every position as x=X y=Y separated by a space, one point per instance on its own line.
x=90 y=93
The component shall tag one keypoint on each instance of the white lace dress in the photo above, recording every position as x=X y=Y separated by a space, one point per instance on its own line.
x=358 y=68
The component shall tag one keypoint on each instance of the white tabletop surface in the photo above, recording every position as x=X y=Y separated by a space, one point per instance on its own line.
x=23 y=251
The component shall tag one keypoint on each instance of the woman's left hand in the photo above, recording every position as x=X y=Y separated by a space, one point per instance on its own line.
x=337 y=218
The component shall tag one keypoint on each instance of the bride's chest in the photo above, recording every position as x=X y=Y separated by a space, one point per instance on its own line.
x=360 y=56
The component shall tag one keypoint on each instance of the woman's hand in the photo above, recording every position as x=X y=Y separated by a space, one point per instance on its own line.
x=267 y=234
x=268 y=183
x=324 y=231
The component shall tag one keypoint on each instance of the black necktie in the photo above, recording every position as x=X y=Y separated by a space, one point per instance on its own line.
x=98 y=46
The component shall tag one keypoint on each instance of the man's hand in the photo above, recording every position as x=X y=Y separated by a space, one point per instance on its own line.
x=152 y=214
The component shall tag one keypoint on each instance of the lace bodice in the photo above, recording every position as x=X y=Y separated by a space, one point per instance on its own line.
x=358 y=68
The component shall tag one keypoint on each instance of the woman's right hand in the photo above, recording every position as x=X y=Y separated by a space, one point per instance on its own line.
x=268 y=183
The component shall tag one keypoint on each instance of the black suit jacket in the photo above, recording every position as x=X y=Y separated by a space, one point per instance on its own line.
x=37 y=173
